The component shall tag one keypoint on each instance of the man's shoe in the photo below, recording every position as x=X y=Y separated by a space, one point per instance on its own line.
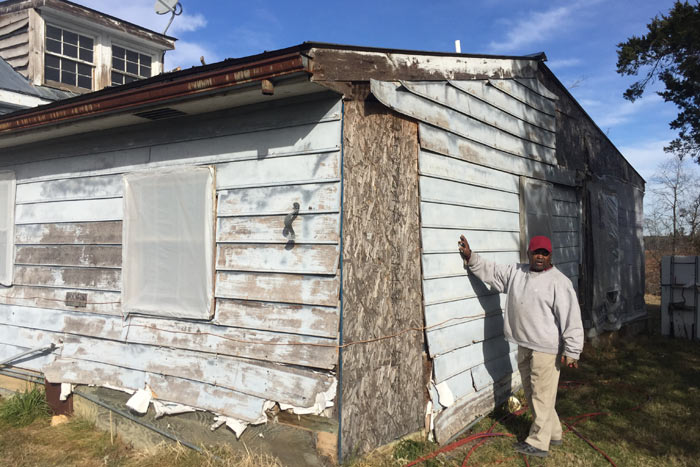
x=556 y=442
x=524 y=448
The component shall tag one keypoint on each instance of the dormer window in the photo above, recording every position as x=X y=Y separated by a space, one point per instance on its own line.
x=129 y=65
x=69 y=58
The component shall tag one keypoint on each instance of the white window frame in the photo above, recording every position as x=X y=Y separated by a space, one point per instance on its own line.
x=125 y=73
x=9 y=183
x=92 y=65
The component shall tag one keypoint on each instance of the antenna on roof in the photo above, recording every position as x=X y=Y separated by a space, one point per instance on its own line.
x=163 y=7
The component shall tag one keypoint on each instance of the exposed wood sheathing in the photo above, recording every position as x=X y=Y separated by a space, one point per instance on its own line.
x=382 y=384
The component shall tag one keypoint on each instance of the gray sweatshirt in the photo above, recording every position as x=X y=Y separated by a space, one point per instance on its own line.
x=542 y=311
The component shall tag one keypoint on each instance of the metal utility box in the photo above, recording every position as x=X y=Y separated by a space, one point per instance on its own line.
x=680 y=287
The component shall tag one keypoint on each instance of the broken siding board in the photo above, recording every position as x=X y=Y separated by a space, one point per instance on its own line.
x=314 y=137
x=279 y=317
x=445 y=191
x=437 y=240
x=525 y=95
x=449 y=338
x=314 y=197
x=451 y=264
x=30 y=362
x=488 y=93
x=460 y=217
x=71 y=277
x=447 y=289
x=107 y=303
x=392 y=95
x=273 y=382
x=439 y=141
x=70 y=211
x=449 y=168
x=445 y=314
x=451 y=97
x=285 y=288
x=290 y=258
x=184 y=391
x=308 y=228
x=449 y=364
x=94 y=256
x=83 y=233
x=281 y=171
x=487 y=373
x=109 y=186
x=315 y=352
x=460 y=385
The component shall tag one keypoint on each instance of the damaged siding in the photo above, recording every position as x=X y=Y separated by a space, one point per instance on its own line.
x=277 y=254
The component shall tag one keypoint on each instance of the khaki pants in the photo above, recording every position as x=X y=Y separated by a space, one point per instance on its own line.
x=540 y=375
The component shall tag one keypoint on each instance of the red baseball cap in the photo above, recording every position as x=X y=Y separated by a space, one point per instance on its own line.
x=540 y=242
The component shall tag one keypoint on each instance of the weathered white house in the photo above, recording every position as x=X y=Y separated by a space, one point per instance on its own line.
x=281 y=229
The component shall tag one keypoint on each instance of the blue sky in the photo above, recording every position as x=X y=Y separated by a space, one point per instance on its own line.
x=578 y=36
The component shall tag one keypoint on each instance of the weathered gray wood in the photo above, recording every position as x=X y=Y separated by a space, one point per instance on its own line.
x=442 y=142
x=279 y=317
x=452 y=288
x=451 y=264
x=291 y=258
x=437 y=240
x=13 y=22
x=564 y=239
x=19 y=38
x=70 y=255
x=525 y=95
x=29 y=338
x=460 y=385
x=535 y=85
x=487 y=373
x=449 y=338
x=462 y=359
x=569 y=269
x=565 y=224
x=564 y=193
x=449 y=168
x=108 y=186
x=485 y=91
x=104 y=327
x=460 y=217
x=445 y=191
x=70 y=211
x=315 y=352
x=107 y=303
x=286 y=288
x=31 y=362
x=184 y=391
x=278 y=171
x=397 y=98
x=273 y=382
x=308 y=228
x=449 y=96
x=86 y=233
x=565 y=255
x=255 y=145
x=323 y=197
x=565 y=208
x=78 y=278
x=440 y=315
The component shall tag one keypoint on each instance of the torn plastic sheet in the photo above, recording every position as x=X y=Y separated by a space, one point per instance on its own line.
x=171 y=408
x=66 y=390
x=239 y=426
x=322 y=402
x=140 y=400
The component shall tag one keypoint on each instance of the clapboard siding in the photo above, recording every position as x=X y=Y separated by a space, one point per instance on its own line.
x=308 y=228
x=445 y=240
x=85 y=233
x=96 y=301
x=285 y=288
x=35 y=362
x=451 y=264
x=449 y=168
x=72 y=277
x=525 y=95
x=312 y=198
x=444 y=314
x=308 y=259
x=90 y=210
x=447 y=191
x=96 y=256
x=462 y=217
x=108 y=186
x=449 y=338
x=456 y=361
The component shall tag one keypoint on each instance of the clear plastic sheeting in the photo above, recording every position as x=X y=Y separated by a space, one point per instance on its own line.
x=168 y=242
x=7 y=227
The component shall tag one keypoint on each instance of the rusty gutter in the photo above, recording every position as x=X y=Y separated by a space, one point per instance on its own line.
x=187 y=86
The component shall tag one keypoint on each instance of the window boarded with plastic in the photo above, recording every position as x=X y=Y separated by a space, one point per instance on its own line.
x=7 y=224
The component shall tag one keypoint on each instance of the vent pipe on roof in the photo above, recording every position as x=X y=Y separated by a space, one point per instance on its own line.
x=458 y=47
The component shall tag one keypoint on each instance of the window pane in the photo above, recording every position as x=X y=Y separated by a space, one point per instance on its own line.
x=68 y=65
x=145 y=71
x=68 y=78
x=118 y=64
x=132 y=68
x=84 y=70
x=117 y=78
x=129 y=79
x=70 y=50
x=85 y=82
x=86 y=55
x=145 y=60
x=53 y=32
x=117 y=52
x=86 y=42
x=51 y=74
x=53 y=46
x=70 y=37
x=132 y=56
x=51 y=61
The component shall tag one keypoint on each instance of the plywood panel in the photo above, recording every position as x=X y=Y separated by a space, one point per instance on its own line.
x=450 y=168
x=324 y=197
x=451 y=264
x=445 y=240
x=460 y=217
x=85 y=233
x=440 y=315
x=287 y=288
x=525 y=95
x=109 y=186
x=280 y=317
x=462 y=359
x=449 y=338
x=95 y=301
x=308 y=228
x=70 y=211
x=78 y=278
x=292 y=258
x=70 y=255
x=434 y=189
x=497 y=98
x=279 y=171
x=449 y=96
x=273 y=382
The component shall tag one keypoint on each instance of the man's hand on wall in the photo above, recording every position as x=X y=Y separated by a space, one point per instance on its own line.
x=464 y=249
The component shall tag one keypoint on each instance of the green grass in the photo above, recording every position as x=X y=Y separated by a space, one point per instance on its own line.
x=24 y=407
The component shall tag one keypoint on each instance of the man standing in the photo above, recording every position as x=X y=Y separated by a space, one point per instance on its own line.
x=543 y=318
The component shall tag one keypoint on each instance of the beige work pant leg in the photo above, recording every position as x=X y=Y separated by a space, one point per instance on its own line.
x=540 y=376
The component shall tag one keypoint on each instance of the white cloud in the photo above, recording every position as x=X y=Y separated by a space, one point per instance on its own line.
x=625 y=111
x=645 y=156
x=565 y=63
